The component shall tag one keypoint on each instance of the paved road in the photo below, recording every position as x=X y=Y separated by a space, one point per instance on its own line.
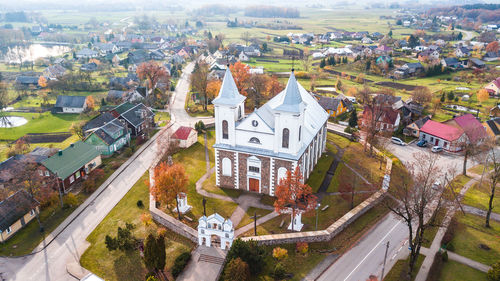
x=367 y=256
x=177 y=109
x=50 y=264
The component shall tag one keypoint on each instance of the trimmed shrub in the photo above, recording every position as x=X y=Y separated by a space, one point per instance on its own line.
x=237 y=270
x=302 y=247
x=140 y=204
x=279 y=271
x=180 y=263
x=280 y=253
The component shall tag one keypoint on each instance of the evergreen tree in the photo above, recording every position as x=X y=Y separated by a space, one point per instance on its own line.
x=442 y=98
x=368 y=65
x=209 y=35
x=150 y=252
x=412 y=41
x=332 y=62
x=322 y=64
x=353 y=119
x=390 y=33
x=161 y=254
x=460 y=36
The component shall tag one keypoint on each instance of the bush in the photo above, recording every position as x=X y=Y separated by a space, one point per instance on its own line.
x=280 y=253
x=124 y=240
x=180 y=263
x=444 y=256
x=302 y=75
x=237 y=270
x=302 y=247
x=140 y=204
x=450 y=232
x=151 y=276
x=279 y=272
x=494 y=272
x=450 y=247
x=70 y=200
x=350 y=130
x=249 y=252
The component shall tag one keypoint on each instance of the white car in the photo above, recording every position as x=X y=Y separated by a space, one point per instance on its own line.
x=437 y=149
x=397 y=141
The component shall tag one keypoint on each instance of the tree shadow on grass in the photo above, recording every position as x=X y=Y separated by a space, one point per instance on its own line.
x=129 y=266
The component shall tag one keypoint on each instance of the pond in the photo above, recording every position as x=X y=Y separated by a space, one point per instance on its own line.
x=33 y=52
x=462 y=108
x=12 y=121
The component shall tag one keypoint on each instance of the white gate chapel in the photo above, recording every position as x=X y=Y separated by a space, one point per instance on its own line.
x=215 y=225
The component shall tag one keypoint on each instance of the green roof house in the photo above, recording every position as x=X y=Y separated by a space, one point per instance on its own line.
x=73 y=164
x=109 y=138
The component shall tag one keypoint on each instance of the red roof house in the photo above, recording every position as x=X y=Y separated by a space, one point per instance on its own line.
x=186 y=136
x=388 y=118
x=472 y=127
x=493 y=87
x=444 y=135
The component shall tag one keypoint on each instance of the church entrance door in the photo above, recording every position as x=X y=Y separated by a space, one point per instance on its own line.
x=253 y=185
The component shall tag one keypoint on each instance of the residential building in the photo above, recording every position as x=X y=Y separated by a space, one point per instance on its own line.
x=493 y=87
x=334 y=106
x=254 y=152
x=493 y=128
x=388 y=119
x=86 y=53
x=414 y=128
x=438 y=134
x=461 y=52
x=109 y=138
x=54 y=71
x=27 y=80
x=138 y=117
x=475 y=63
x=16 y=211
x=185 y=136
x=471 y=126
x=451 y=62
x=70 y=104
x=71 y=165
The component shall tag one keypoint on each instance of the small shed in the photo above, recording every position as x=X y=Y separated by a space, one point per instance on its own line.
x=186 y=136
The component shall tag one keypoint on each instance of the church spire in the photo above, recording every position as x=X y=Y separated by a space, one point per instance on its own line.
x=292 y=100
x=228 y=93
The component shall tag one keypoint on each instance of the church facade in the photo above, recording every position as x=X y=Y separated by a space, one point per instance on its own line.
x=253 y=152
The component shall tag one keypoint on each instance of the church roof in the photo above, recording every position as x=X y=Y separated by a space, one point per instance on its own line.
x=291 y=101
x=228 y=94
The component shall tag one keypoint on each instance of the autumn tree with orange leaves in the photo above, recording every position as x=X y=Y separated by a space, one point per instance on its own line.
x=293 y=194
x=213 y=88
x=482 y=95
x=169 y=181
x=90 y=102
x=153 y=73
x=42 y=82
x=493 y=47
x=241 y=75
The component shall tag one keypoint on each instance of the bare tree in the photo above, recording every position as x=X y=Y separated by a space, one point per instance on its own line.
x=199 y=81
x=372 y=122
x=492 y=177
x=421 y=95
x=306 y=60
x=418 y=201
x=245 y=36
x=258 y=88
x=471 y=146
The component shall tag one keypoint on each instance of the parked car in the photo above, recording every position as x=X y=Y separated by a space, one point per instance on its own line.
x=422 y=143
x=436 y=185
x=437 y=149
x=397 y=141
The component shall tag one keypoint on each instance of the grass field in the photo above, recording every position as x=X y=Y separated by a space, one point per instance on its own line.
x=399 y=270
x=479 y=195
x=117 y=265
x=471 y=233
x=455 y=271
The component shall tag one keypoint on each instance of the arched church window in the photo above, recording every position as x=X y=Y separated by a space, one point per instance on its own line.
x=225 y=134
x=226 y=167
x=285 y=138
x=254 y=140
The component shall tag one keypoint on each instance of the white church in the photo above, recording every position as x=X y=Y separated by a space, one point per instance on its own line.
x=253 y=152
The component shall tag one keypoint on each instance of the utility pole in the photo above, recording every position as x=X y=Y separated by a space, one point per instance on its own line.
x=385 y=258
x=255 y=223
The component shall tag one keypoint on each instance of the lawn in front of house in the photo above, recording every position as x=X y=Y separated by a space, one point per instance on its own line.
x=399 y=270
x=318 y=174
x=249 y=216
x=193 y=160
x=162 y=118
x=479 y=196
x=118 y=265
x=471 y=234
x=41 y=123
x=455 y=271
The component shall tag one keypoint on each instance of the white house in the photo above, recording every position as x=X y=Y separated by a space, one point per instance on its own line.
x=243 y=57
x=215 y=225
x=70 y=104
x=186 y=136
x=254 y=152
